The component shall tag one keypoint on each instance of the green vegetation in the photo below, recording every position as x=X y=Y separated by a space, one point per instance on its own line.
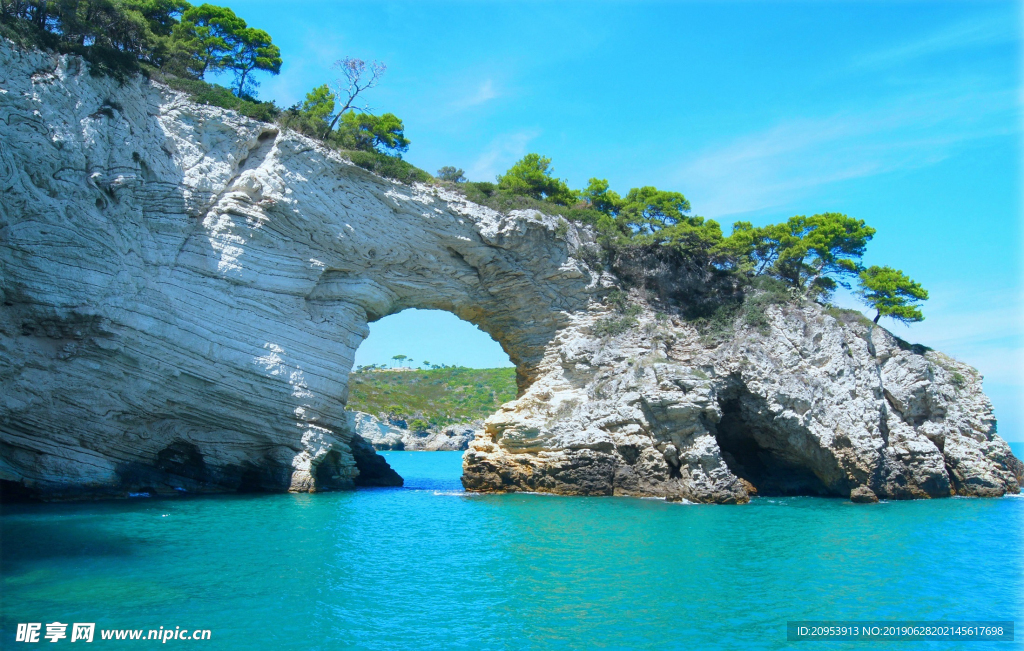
x=706 y=272
x=436 y=397
x=179 y=44
x=202 y=92
x=121 y=37
x=812 y=254
x=387 y=166
x=622 y=320
x=532 y=177
x=451 y=174
x=892 y=293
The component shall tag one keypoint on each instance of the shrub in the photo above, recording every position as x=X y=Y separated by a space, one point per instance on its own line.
x=562 y=229
x=388 y=166
x=591 y=255
x=765 y=291
x=614 y=326
x=202 y=92
x=452 y=174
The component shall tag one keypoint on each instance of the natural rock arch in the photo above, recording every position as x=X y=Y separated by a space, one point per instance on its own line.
x=194 y=300
x=184 y=290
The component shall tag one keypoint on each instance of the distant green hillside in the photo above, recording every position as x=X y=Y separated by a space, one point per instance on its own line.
x=436 y=397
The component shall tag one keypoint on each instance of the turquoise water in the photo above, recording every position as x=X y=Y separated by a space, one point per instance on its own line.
x=429 y=567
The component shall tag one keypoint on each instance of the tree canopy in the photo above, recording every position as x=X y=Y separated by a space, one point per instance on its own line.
x=119 y=34
x=600 y=198
x=892 y=293
x=363 y=131
x=206 y=36
x=533 y=176
x=452 y=174
x=815 y=253
x=648 y=210
x=253 y=51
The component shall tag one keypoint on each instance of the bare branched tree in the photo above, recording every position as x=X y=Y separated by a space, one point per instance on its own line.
x=353 y=82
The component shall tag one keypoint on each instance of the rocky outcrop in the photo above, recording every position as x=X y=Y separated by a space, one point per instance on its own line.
x=809 y=403
x=183 y=292
x=385 y=436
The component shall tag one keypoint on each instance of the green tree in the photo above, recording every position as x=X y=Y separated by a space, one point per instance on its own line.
x=399 y=358
x=648 y=210
x=813 y=253
x=452 y=174
x=208 y=34
x=161 y=15
x=601 y=198
x=532 y=177
x=319 y=103
x=384 y=133
x=892 y=293
x=252 y=50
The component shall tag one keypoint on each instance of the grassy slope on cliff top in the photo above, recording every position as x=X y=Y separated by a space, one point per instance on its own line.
x=440 y=397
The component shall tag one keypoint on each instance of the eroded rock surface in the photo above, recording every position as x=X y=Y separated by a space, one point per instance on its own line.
x=811 y=404
x=183 y=291
x=385 y=436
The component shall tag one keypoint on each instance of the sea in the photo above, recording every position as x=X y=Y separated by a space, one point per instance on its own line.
x=428 y=566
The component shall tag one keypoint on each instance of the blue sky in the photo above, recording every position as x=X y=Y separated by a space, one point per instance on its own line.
x=905 y=114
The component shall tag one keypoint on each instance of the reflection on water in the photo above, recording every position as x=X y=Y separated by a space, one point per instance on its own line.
x=426 y=566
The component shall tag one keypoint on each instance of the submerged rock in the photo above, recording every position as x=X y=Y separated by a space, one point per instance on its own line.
x=184 y=289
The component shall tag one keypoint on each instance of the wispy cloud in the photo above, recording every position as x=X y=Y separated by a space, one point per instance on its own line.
x=777 y=165
x=989 y=30
x=484 y=93
x=500 y=154
x=783 y=162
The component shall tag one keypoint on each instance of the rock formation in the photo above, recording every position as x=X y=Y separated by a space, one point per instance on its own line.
x=385 y=436
x=810 y=404
x=183 y=291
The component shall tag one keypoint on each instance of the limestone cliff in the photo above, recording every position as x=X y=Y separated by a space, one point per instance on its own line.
x=183 y=291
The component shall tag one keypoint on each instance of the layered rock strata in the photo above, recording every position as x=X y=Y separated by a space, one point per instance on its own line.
x=183 y=291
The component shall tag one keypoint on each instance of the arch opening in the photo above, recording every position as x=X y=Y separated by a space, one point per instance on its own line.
x=425 y=380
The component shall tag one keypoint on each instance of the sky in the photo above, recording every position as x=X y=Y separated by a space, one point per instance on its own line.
x=904 y=114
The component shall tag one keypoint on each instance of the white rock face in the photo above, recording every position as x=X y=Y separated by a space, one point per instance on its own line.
x=810 y=405
x=183 y=292
x=384 y=436
x=184 y=289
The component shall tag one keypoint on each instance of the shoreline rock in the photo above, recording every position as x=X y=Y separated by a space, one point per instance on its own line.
x=811 y=404
x=385 y=436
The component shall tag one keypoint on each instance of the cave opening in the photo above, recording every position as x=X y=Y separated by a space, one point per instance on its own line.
x=761 y=450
